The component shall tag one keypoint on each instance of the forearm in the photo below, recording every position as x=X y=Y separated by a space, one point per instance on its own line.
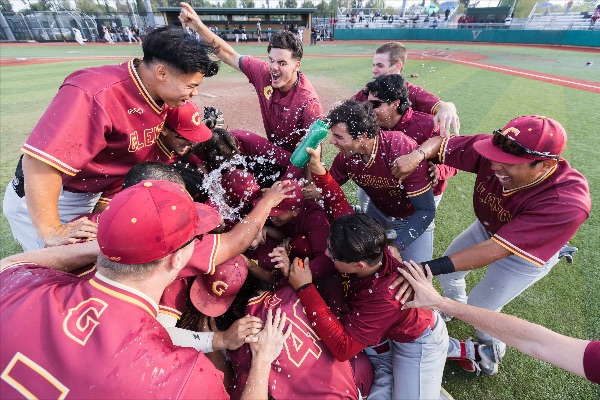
x=223 y=50
x=336 y=204
x=258 y=380
x=418 y=222
x=478 y=256
x=529 y=338
x=431 y=148
x=64 y=258
x=42 y=189
x=201 y=341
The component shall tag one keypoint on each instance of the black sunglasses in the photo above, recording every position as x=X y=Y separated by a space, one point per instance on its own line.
x=376 y=103
x=511 y=146
x=199 y=237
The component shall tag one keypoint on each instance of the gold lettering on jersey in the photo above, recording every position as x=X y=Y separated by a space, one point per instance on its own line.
x=145 y=138
x=219 y=287
x=268 y=92
x=82 y=320
x=28 y=378
x=303 y=340
x=494 y=203
x=376 y=182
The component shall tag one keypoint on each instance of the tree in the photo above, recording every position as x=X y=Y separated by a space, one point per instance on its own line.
x=307 y=4
x=88 y=6
x=322 y=8
x=230 y=4
x=250 y=4
x=291 y=3
x=5 y=6
x=379 y=4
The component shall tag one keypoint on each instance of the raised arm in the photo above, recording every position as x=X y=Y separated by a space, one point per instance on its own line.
x=534 y=340
x=223 y=50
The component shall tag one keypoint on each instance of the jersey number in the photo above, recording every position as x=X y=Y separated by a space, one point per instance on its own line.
x=82 y=319
x=31 y=380
x=303 y=339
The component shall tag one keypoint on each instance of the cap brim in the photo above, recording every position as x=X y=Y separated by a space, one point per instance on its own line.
x=494 y=153
x=198 y=135
x=208 y=218
x=205 y=302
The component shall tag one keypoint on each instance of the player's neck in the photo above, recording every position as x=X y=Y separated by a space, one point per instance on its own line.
x=367 y=149
x=146 y=75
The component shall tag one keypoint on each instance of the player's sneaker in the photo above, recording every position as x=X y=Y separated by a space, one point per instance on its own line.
x=568 y=252
x=491 y=357
x=444 y=395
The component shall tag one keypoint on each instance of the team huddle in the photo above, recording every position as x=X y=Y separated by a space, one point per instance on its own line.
x=189 y=260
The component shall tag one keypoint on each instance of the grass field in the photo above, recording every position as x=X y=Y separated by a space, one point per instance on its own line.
x=567 y=300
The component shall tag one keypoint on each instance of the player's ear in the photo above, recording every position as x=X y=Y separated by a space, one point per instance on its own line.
x=160 y=72
x=297 y=66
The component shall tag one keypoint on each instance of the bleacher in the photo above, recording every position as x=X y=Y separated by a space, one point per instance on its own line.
x=560 y=21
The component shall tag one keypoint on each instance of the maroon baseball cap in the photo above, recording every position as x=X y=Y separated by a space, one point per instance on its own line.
x=187 y=121
x=213 y=294
x=240 y=187
x=288 y=204
x=150 y=220
x=537 y=133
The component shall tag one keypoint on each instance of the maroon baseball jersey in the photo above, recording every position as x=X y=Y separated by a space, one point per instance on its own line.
x=174 y=299
x=533 y=221
x=419 y=126
x=375 y=313
x=112 y=125
x=305 y=368
x=375 y=176
x=591 y=361
x=91 y=339
x=421 y=99
x=285 y=115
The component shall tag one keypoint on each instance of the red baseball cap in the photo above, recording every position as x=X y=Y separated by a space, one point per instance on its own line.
x=535 y=132
x=288 y=204
x=187 y=121
x=213 y=294
x=150 y=220
x=240 y=187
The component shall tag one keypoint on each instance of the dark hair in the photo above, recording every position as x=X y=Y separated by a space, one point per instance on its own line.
x=177 y=48
x=359 y=117
x=357 y=237
x=221 y=147
x=391 y=88
x=151 y=170
x=286 y=40
x=396 y=51
x=193 y=180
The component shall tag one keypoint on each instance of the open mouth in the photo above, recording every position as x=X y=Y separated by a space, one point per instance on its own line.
x=275 y=76
x=503 y=178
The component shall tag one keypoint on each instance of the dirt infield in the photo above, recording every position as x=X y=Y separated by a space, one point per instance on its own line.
x=464 y=58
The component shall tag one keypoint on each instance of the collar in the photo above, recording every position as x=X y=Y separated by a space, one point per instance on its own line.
x=124 y=293
x=132 y=67
x=406 y=119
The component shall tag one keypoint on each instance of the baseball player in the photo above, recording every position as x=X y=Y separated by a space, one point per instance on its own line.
x=306 y=369
x=411 y=344
x=78 y=37
x=528 y=202
x=288 y=102
x=118 y=111
x=141 y=253
x=389 y=59
x=580 y=357
x=366 y=155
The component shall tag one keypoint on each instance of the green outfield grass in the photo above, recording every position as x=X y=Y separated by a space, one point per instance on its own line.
x=567 y=300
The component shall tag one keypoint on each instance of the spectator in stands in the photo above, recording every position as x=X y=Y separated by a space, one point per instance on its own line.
x=568 y=7
x=508 y=21
x=258 y=30
x=447 y=14
x=595 y=17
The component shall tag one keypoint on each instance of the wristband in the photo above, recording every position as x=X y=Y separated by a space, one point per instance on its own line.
x=301 y=288
x=440 y=266
x=418 y=150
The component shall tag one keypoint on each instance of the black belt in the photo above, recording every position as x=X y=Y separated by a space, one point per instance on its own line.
x=18 y=182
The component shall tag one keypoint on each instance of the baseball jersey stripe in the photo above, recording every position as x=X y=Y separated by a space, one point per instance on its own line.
x=517 y=251
x=164 y=148
x=82 y=273
x=169 y=311
x=256 y=300
x=48 y=159
x=140 y=86
x=145 y=304
x=442 y=152
x=212 y=267
x=435 y=107
x=103 y=200
x=13 y=264
x=373 y=152
x=418 y=192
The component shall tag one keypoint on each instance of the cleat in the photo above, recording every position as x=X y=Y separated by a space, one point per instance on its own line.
x=491 y=358
x=568 y=252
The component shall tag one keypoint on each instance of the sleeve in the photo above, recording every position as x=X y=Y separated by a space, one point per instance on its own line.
x=66 y=140
x=458 y=152
x=540 y=232
x=252 y=68
x=201 y=341
x=422 y=100
x=203 y=257
x=339 y=342
x=591 y=361
x=174 y=298
x=336 y=204
x=445 y=171
x=362 y=95
x=417 y=223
